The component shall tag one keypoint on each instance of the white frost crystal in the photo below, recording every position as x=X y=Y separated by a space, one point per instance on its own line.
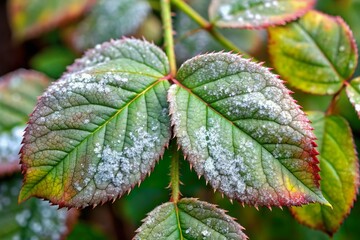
x=239 y=127
x=34 y=219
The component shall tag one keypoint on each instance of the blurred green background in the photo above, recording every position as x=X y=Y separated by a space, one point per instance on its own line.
x=52 y=51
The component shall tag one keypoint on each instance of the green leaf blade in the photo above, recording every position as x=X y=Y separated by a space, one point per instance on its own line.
x=189 y=219
x=18 y=94
x=339 y=174
x=239 y=127
x=256 y=14
x=99 y=130
x=316 y=43
x=353 y=93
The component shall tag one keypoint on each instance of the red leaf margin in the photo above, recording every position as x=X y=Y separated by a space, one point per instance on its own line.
x=283 y=21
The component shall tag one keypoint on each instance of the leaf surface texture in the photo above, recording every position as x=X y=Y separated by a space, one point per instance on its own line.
x=98 y=130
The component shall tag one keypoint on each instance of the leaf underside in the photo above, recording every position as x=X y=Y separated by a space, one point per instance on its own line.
x=35 y=219
x=18 y=94
x=316 y=54
x=353 y=93
x=32 y=17
x=256 y=14
x=339 y=174
x=99 y=130
x=189 y=219
x=104 y=20
x=239 y=127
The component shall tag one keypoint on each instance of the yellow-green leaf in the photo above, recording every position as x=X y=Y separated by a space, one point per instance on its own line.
x=339 y=174
x=315 y=54
x=30 y=18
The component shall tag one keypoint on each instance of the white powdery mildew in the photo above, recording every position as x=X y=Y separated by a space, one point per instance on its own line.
x=118 y=167
x=10 y=144
x=47 y=221
x=85 y=81
x=250 y=13
x=222 y=167
x=271 y=137
x=155 y=218
x=137 y=50
x=36 y=220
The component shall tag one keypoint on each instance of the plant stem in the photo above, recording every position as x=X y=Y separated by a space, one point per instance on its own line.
x=175 y=174
x=335 y=98
x=209 y=27
x=168 y=35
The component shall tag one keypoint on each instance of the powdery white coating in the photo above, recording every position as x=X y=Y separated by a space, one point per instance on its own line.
x=239 y=127
x=221 y=165
x=87 y=121
x=34 y=219
x=195 y=219
x=10 y=143
x=104 y=20
x=256 y=14
x=133 y=49
x=117 y=167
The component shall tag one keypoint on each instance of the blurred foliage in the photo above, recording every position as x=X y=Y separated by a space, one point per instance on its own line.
x=53 y=52
x=85 y=231
x=52 y=60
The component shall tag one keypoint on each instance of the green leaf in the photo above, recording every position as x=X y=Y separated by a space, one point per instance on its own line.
x=110 y=19
x=339 y=174
x=240 y=128
x=32 y=17
x=315 y=54
x=18 y=94
x=99 y=130
x=256 y=14
x=189 y=219
x=191 y=41
x=353 y=93
x=35 y=219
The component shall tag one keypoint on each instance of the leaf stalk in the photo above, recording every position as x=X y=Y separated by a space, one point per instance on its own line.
x=168 y=34
x=175 y=174
x=208 y=26
x=331 y=108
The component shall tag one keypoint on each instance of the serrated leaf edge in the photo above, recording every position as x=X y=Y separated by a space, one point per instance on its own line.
x=357 y=185
x=71 y=69
x=348 y=32
x=213 y=206
x=289 y=18
x=317 y=179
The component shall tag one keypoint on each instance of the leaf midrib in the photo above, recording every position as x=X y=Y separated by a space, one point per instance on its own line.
x=21 y=196
x=217 y=112
x=310 y=39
